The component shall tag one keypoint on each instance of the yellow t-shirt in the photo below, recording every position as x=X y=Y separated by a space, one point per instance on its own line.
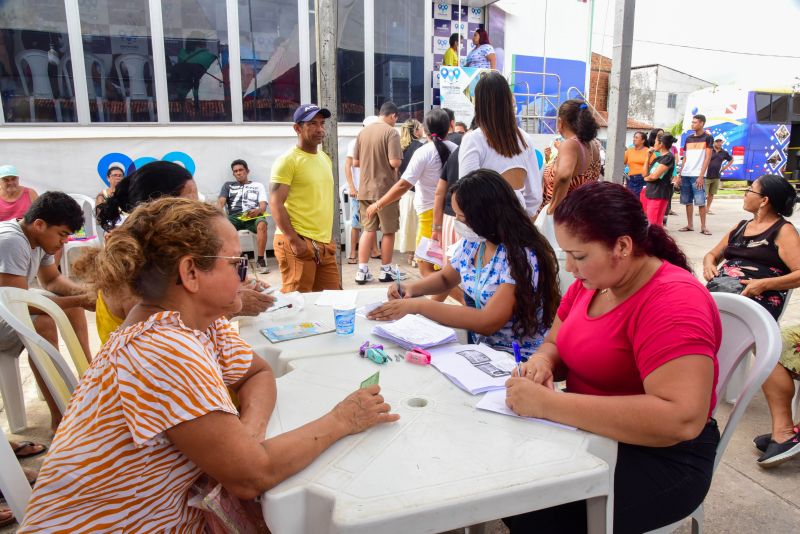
x=106 y=321
x=310 y=199
x=450 y=58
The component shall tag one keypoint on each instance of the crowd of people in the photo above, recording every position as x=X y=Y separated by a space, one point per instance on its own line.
x=635 y=338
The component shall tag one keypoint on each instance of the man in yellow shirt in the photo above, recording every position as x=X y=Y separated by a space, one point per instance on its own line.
x=451 y=56
x=301 y=201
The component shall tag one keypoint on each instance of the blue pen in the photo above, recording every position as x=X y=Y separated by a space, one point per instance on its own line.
x=517 y=357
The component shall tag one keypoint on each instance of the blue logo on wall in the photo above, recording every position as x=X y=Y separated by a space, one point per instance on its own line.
x=476 y=11
x=181 y=158
x=442 y=7
x=442 y=42
x=450 y=74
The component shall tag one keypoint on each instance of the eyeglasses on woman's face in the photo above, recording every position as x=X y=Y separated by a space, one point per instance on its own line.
x=751 y=190
x=240 y=262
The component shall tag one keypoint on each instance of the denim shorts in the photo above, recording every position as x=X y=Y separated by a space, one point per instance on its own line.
x=690 y=193
x=635 y=183
x=355 y=222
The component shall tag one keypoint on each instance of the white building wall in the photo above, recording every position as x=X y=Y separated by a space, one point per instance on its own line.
x=642 y=101
x=669 y=81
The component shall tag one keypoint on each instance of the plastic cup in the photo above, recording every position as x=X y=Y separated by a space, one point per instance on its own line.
x=345 y=319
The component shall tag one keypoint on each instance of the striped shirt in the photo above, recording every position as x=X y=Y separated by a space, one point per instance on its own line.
x=111 y=467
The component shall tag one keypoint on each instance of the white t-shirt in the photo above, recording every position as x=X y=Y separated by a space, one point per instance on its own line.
x=243 y=197
x=475 y=153
x=351 y=150
x=423 y=172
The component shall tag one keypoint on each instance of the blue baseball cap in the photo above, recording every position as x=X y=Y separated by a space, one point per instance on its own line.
x=306 y=112
x=8 y=170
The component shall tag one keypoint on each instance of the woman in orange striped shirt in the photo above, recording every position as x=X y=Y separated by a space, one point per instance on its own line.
x=152 y=413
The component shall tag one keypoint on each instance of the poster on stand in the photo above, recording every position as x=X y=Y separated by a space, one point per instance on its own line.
x=457 y=90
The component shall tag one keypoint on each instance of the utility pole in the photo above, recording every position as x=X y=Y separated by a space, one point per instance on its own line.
x=619 y=89
x=327 y=32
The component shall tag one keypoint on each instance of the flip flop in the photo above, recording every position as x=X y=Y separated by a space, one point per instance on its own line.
x=352 y=261
x=705 y=232
x=376 y=257
x=26 y=444
x=686 y=229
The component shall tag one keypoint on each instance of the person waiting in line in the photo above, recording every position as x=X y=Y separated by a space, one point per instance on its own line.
x=696 y=158
x=14 y=198
x=379 y=154
x=578 y=159
x=636 y=339
x=658 y=180
x=482 y=55
x=460 y=127
x=762 y=261
x=423 y=173
x=451 y=54
x=636 y=158
x=499 y=144
x=154 y=180
x=245 y=202
x=351 y=174
x=159 y=387
x=507 y=269
x=114 y=175
x=452 y=134
x=721 y=160
x=27 y=250
x=301 y=199
x=412 y=138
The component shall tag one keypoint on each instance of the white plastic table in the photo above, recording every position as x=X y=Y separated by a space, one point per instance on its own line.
x=278 y=355
x=443 y=465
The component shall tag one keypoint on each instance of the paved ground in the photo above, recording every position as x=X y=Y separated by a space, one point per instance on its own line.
x=743 y=498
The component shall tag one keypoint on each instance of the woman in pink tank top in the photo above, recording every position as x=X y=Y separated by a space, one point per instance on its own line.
x=14 y=199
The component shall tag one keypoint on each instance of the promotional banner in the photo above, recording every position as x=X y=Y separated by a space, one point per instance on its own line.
x=457 y=90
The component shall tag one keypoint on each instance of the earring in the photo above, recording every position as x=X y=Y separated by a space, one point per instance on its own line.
x=625 y=254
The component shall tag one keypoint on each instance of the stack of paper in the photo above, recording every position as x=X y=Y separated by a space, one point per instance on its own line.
x=416 y=331
x=474 y=368
x=429 y=251
x=495 y=401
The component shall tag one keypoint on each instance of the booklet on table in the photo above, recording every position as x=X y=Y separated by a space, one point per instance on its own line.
x=287 y=332
x=474 y=368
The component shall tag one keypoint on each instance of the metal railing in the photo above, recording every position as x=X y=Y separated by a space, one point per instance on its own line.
x=539 y=110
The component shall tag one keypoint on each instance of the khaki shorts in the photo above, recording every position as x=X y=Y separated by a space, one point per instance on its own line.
x=387 y=221
x=310 y=271
x=711 y=186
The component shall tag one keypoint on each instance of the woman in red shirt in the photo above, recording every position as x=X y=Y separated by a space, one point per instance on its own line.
x=14 y=198
x=635 y=338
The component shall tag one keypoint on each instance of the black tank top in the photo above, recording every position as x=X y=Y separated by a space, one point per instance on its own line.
x=759 y=249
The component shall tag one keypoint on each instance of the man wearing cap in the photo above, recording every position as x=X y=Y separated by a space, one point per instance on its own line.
x=14 y=198
x=378 y=154
x=301 y=201
x=720 y=161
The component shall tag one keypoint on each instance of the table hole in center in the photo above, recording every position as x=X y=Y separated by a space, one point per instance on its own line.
x=417 y=402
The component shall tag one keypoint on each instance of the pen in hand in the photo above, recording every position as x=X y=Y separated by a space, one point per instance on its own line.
x=517 y=357
x=400 y=290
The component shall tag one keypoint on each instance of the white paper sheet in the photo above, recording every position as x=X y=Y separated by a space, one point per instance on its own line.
x=495 y=401
x=415 y=331
x=366 y=309
x=474 y=368
x=332 y=297
x=422 y=252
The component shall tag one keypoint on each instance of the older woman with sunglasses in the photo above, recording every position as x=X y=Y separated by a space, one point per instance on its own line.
x=152 y=413
x=762 y=261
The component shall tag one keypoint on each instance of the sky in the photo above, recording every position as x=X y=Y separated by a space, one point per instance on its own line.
x=769 y=27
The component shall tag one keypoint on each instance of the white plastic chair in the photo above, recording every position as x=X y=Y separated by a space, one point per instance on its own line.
x=57 y=375
x=37 y=62
x=745 y=326
x=94 y=237
x=134 y=65
x=91 y=62
x=13 y=483
x=544 y=223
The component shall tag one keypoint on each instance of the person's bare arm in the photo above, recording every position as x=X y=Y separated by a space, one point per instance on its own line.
x=69 y=294
x=278 y=193
x=563 y=171
x=656 y=174
x=713 y=257
x=439 y=199
x=257 y=393
x=395 y=163
x=249 y=467
x=260 y=210
x=492 y=60
x=348 y=174
x=673 y=408
x=221 y=203
x=788 y=243
x=399 y=189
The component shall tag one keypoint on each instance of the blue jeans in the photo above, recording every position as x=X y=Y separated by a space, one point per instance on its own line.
x=690 y=193
x=635 y=184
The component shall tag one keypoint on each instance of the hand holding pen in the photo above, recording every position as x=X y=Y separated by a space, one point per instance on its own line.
x=518 y=358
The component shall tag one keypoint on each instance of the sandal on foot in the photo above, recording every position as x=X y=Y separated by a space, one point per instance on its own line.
x=21 y=445
x=686 y=229
x=705 y=232
x=352 y=261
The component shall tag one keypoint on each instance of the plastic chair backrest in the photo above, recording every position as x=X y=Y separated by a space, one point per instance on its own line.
x=135 y=66
x=13 y=483
x=745 y=325
x=87 y=205
x=37 y=61
x=91 y=61
x=58 y=376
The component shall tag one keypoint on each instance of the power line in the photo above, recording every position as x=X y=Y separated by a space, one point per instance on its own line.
x=779 y=56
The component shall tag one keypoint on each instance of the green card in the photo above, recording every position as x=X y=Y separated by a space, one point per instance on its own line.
x=371 y=381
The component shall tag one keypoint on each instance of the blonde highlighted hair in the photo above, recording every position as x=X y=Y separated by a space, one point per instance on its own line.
x=141 y=256
x=407 y=133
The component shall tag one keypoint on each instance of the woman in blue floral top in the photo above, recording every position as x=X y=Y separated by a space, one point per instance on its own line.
x=507 y=269
x=482 y=56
